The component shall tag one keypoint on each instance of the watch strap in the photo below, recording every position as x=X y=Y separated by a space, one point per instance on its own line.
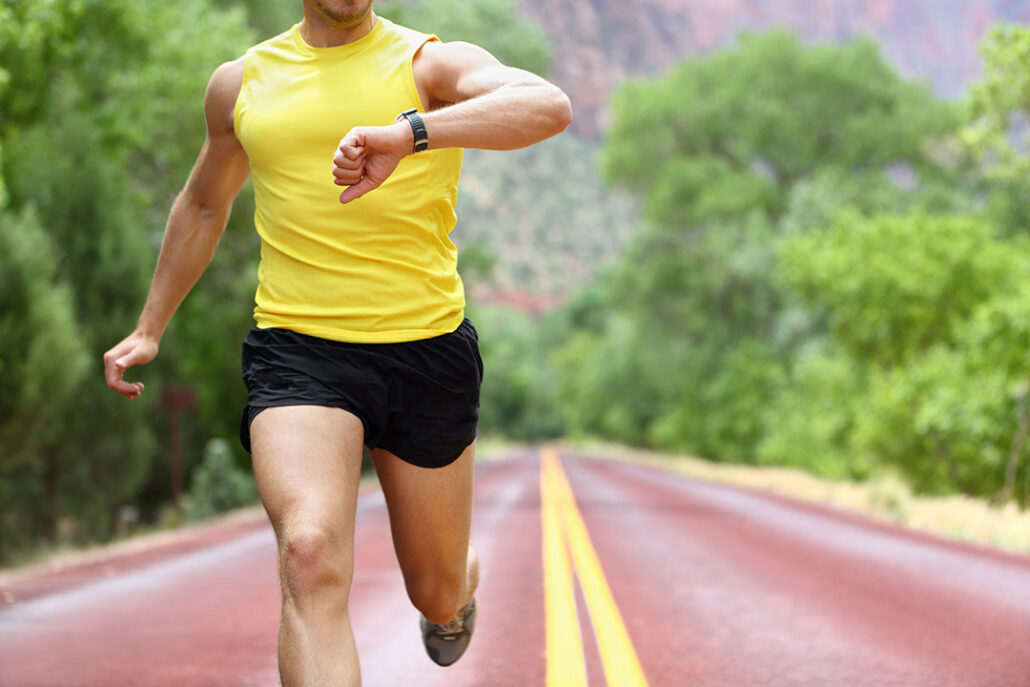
x=418 y=129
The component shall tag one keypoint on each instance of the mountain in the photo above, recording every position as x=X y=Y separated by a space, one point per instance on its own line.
x=600 y=43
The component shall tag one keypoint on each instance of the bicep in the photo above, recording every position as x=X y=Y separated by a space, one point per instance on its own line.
x=219 y=172
x=222 y=165
x=455 y=72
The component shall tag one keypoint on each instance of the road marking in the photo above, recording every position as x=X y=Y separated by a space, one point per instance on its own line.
x=566 y=665
x=621 y=665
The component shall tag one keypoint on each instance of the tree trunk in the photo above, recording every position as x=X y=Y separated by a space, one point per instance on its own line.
x=52 y=477
x=1018 y=440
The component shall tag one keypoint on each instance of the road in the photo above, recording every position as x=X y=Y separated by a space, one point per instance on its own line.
x=595 y=572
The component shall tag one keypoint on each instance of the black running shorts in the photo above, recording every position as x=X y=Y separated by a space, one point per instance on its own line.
x=417 y=399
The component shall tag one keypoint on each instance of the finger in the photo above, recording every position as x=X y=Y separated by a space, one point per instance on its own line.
x=354 y=175
x=134 y=357
x=352 y=167
x=346 y=161
x=127 y=389
x=352 y=146
x=130 y=390
x=348 y=180
x=357 y=190
x=112 y=373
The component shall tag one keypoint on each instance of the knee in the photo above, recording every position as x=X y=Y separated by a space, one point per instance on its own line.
x=312 y=562
x=437 y=597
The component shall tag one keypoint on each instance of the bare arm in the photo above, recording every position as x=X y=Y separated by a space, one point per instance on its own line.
x=477 y=102
x=474 y=101
x=195 y=225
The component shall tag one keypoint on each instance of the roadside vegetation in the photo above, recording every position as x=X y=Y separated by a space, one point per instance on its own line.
x=831 y=272
x=887 y=497
x=807 y=261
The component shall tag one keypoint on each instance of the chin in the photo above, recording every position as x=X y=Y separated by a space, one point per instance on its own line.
x=345 y=12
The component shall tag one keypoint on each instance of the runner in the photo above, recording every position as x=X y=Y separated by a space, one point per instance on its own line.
x=361 y=336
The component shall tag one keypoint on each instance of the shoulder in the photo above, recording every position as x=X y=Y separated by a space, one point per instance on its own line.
x=438 y=65
x=437 y=55
x=227 y=78
x=222 y=91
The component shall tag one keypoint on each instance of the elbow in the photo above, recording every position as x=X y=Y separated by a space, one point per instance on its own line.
x=204 y=211
x=560 y=110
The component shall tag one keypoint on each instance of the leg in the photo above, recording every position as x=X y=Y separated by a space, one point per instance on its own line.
x=307 y=461
x=430 y=518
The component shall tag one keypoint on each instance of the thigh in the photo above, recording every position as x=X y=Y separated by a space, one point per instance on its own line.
x=430 y=511
x=307 y=462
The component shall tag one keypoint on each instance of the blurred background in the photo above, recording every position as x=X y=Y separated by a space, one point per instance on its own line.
x=786 y=233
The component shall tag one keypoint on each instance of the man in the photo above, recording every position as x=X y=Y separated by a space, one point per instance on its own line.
x=361 y=336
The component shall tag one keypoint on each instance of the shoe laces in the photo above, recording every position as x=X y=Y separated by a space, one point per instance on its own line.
x=456 y=625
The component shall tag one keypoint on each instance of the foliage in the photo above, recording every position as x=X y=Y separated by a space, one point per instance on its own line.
x=518 y=396
x=267 y=17
x=891 y=286
x=996 y=133
x=42 y=360
x=999 y=105
x=949 y=418
x=97 y=133
x=731 y=154
x=217 y=485
x=543 y=214
x=810 y=421
x=496 y=25
x=821 y=278
x=767 y=113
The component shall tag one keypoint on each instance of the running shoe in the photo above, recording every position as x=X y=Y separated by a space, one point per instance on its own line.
x=447 y=642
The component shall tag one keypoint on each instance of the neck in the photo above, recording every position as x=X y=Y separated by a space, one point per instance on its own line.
x=319 y=31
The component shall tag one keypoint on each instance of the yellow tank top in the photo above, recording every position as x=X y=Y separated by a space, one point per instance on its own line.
x=381 y=268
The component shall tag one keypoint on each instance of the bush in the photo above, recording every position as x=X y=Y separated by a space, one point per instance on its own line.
x=217 y=484
x=809 y=424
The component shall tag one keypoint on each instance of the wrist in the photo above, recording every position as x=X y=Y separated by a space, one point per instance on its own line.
x=404 y=137
x=149 y=331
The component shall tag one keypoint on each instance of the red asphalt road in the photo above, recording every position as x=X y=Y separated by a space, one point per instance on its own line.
x=718 y=587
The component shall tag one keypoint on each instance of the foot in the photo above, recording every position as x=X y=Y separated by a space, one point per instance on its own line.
x=446 y=643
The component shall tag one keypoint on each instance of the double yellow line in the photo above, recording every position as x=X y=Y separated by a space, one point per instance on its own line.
x=565 y=535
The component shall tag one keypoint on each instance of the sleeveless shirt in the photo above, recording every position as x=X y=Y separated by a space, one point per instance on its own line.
x=383 y=267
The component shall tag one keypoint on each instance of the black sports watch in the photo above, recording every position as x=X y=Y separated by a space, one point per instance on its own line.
x=418 y=128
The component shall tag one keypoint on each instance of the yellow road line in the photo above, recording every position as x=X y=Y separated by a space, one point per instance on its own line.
x=566 y=665
x=621 y=665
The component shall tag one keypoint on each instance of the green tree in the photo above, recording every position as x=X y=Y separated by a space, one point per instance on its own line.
x=996 y=132
x=811 y=418
x=496 y=25
x=889 y=286
x=764 y=115
x=999 y=105
x=97 y=132
x=955 y=418
x=730 y=154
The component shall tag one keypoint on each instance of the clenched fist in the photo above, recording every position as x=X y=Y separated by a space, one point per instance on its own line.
x=367 y=156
